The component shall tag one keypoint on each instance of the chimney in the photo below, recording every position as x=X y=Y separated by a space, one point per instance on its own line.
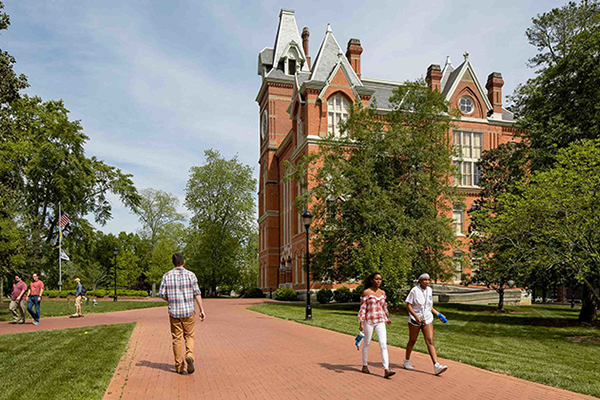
x=434 y=77
x=494 y=88
x=353 y=53
x=305 y=35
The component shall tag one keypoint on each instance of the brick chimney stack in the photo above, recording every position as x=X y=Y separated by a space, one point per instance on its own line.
x=494 y=88
x=305 y=35
x=353 y=53
x=434 y=77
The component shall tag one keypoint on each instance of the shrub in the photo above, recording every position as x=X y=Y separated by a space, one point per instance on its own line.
x=324 y=296
x=254 y=293
x=357 y=293
x=342 y=295
x=51 y=293
x=285 y=294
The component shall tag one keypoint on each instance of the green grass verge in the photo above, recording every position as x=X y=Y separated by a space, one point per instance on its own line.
x=55 y=308
x=544 y=344
x=66 y=364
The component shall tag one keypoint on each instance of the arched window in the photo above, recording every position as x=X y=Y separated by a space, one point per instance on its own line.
x=338 y=109
x=299 y=129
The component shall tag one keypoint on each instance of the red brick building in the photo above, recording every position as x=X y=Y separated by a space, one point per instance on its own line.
x=301 y=101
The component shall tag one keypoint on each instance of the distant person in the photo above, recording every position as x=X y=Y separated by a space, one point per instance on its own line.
x=36 y=289
x=179 y=287
x=78 y=296
x=419 y=304
x=18 y=301
x=373 y=316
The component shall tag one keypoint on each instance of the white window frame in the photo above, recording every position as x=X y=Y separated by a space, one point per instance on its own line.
x=338 y=110
x=458 y=219
x=460 y=105
x=468 y=156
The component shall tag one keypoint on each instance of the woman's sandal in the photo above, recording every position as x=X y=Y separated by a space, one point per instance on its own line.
x=365 y=369
x=388 y=373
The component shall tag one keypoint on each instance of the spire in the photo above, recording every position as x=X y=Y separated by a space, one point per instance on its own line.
x=287 y=36
x=328 y=28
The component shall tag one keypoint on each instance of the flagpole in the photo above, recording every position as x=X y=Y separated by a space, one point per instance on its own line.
x=59 y=250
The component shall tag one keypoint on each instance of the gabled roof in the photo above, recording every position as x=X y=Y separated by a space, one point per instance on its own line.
x=329 y=56
x=287 y=36
x=457 y=75
x=448 y=69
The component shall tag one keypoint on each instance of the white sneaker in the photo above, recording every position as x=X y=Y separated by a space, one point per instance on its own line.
x=439 y=369
x=36 y=323
x=408 y=365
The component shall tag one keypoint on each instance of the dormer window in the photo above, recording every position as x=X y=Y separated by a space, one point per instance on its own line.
x=292 y=67
x=338 y=109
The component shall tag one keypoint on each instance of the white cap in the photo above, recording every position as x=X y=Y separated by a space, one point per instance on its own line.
x=424 y=276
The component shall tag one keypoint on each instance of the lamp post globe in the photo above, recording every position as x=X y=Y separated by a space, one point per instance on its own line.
x=115 y=252
x=307 y=219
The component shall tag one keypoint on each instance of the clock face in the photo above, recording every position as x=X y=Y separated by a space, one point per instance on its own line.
x=265 y=125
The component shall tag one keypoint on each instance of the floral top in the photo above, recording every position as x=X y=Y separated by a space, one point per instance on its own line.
x=373 y=309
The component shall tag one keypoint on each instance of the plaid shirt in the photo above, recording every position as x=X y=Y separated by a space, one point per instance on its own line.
x=178 y=287
x=373 y=310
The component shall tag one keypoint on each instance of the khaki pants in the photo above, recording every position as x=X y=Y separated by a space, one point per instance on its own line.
x=182 y=329
x=17 y=308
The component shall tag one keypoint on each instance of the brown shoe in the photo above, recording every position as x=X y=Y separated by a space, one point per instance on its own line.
x=389 y=373
x=365 y=369
x=190 y=365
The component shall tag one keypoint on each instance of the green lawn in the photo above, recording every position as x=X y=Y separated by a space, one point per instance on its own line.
x=67 y=364
x=540 y=343
x=54 y=308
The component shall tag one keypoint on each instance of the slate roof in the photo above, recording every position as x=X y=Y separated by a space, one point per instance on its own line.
x=287 y=32
x=383 y=92
x=330 y=53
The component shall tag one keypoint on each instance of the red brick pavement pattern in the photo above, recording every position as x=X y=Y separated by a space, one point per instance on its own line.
x=241 y=354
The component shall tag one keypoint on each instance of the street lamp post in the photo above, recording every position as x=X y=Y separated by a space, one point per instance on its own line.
x=115 y=252
x=307 y=218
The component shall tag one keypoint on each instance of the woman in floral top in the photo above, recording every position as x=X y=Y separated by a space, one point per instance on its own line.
x=373 y=316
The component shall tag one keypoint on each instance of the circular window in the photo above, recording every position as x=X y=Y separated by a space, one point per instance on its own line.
x=466 y=104
x=264 y=126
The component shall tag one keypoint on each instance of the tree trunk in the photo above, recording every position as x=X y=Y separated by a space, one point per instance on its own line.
x=588 y=311
x=500 y=298
x=544 y=294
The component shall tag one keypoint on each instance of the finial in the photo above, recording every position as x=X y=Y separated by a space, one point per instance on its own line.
x=448 y=62
x=329 y=27
x=466 y=56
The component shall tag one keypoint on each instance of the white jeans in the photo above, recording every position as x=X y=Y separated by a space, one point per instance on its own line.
x=382 y=335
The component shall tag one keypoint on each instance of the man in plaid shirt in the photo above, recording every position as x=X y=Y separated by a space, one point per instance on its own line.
x=180 y=288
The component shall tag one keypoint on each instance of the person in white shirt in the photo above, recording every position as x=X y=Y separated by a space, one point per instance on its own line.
x=419 y=304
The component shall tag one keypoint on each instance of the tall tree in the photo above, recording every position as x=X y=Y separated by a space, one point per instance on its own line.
x=157 y=211
x=221 y=197
x=381 y=193
x=558 y=211
x=559 y=105
x=12 y=243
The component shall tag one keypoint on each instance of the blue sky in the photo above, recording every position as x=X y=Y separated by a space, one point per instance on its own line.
x=155 y=83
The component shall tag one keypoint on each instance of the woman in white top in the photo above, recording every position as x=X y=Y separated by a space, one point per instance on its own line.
x=419 y=304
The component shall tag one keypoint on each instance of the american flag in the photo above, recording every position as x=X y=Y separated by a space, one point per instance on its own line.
x=63 y=220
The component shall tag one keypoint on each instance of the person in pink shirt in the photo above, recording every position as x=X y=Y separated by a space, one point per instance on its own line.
x=373 y=316
x=36 y=289
x=18 y=301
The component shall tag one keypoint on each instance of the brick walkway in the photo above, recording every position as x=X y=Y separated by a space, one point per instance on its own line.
x=241 y=354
